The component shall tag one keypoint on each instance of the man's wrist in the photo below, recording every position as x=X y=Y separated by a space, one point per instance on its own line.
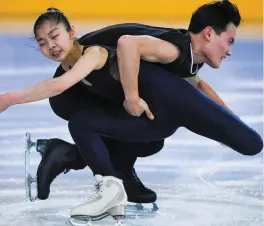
x=132 y=97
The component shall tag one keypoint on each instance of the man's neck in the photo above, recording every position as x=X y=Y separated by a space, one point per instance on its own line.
x=197 y=46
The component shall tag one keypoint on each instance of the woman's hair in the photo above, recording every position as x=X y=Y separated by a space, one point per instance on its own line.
x=52 y=15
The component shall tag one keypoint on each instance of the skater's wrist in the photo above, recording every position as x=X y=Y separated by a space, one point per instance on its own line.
x=9 y=99
x=132 y=97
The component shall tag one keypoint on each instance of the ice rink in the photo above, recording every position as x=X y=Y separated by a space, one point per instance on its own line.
x=198 y=181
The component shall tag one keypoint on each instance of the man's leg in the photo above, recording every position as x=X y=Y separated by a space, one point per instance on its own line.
x=174 y=103
x=195 y=111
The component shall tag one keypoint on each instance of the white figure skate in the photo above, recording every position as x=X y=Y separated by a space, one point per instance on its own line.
x=110 y=199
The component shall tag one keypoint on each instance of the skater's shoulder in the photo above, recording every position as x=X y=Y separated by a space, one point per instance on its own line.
x=98 y=47
x=174 y=35
x=184 y=65
x=107 y=53
x=179 y=38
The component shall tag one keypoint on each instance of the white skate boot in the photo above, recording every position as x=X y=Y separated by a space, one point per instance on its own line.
x=110 y=199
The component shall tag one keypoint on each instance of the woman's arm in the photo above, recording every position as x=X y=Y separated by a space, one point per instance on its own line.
x=93 y=59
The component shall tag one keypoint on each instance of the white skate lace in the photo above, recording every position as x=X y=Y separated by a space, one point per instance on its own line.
x=98 y=190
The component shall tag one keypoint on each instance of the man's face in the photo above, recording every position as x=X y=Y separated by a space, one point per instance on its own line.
x=218 y=47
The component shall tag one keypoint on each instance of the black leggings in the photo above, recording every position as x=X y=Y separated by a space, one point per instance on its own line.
x=174 y=103
x=122 y=155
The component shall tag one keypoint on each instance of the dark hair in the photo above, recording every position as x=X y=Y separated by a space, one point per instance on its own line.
x=54 y=15
x=217 y=14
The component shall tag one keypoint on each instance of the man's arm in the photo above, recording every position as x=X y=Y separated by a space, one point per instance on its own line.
x=208 y=91
x=130 y=49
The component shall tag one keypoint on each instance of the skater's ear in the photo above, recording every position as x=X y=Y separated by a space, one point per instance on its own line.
x=73 y=33
x=207 y=33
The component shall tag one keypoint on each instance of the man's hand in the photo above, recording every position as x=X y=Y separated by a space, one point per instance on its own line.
x=137 y=107
x=5 y=102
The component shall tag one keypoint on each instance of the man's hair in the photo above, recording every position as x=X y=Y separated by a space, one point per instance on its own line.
x=217 y=15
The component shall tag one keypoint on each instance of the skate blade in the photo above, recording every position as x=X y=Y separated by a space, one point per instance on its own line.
x=87 y=221
x=99 y=223
x=117 y=212
x=134 y=211
x=78 y=222
x=29 y=180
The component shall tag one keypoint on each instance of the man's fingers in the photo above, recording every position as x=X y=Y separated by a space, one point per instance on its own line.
x=149 y=114
x=144 y=105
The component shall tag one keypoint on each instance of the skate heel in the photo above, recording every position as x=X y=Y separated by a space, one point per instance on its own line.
x=117 y=212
